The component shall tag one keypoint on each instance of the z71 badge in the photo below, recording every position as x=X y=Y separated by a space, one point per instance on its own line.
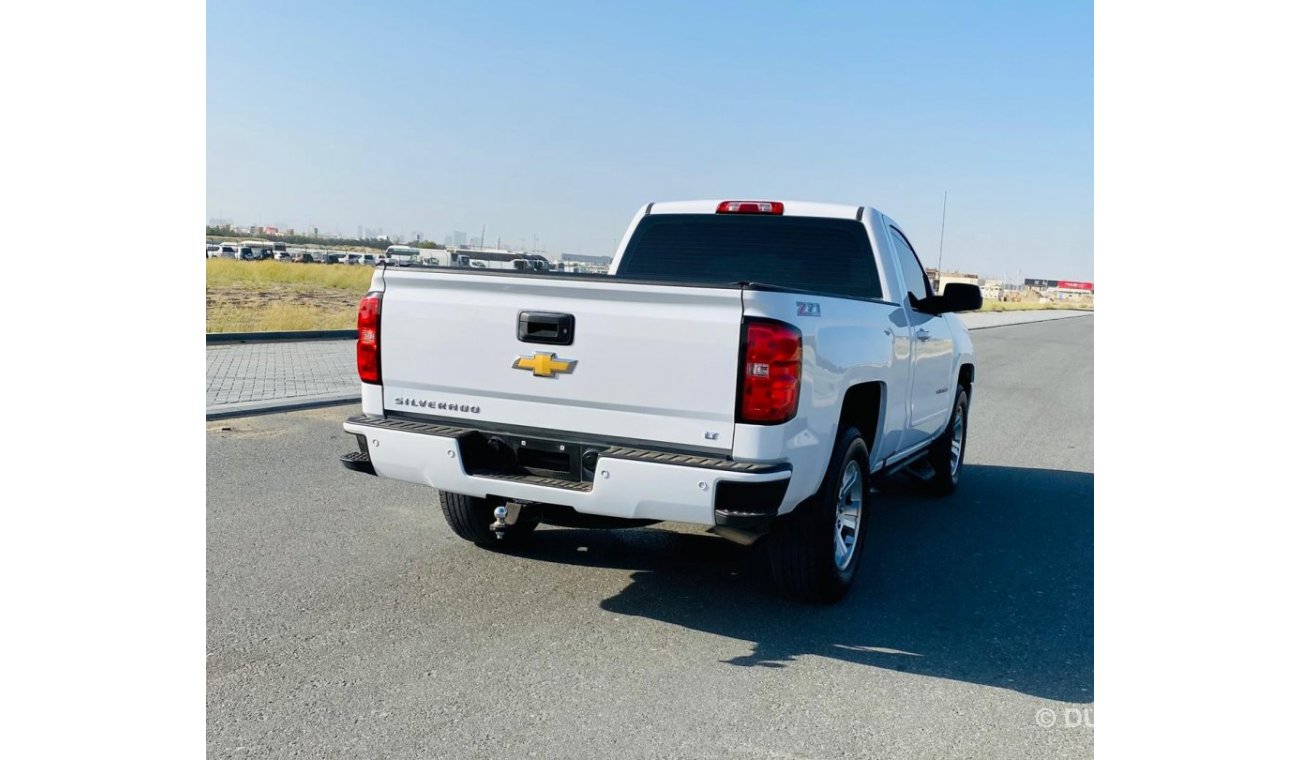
x=809 y=308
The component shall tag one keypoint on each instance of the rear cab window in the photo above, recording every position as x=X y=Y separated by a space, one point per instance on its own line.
x=819 y=255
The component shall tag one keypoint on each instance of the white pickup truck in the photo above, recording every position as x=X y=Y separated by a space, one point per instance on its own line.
x=746 y=365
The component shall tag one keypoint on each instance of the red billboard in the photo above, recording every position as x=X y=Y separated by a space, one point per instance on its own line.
x=1071 y=285
x=1063 y=284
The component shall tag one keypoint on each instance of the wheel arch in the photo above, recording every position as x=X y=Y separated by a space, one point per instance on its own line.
x=864 y=408
x=966 y=377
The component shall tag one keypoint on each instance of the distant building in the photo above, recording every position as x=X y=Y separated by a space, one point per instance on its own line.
x=1062 y=286
x=992 y=289
x=1068 y=290
x=940 y=280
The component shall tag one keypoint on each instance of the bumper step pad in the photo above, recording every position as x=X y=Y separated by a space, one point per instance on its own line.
x=358 y=461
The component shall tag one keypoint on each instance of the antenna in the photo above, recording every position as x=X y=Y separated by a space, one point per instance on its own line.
x=942 y=223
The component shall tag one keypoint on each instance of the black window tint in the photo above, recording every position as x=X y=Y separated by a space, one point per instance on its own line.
x=913 y=274
x=830 y=256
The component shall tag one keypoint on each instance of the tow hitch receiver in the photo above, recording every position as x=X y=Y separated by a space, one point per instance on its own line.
x=506 y=515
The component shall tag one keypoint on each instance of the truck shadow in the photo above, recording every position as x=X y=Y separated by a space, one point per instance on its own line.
x=993 y=585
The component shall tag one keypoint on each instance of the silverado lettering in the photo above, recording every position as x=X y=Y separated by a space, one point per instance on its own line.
x=425 y=403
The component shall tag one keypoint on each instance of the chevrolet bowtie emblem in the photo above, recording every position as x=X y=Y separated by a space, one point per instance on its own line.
x=544 y=365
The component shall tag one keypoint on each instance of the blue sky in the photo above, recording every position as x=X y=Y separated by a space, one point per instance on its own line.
x=560 y=119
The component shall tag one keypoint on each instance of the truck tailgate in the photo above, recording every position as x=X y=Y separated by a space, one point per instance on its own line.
x=647 y=363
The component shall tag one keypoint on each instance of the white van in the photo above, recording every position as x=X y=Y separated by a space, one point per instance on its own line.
x=258 y=250
x=223 y=251
x=434 y=257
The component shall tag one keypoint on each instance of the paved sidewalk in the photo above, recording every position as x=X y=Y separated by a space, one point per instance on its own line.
x=251 y=377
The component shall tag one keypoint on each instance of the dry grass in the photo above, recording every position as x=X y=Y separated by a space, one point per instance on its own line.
x=248 y=296
x=990 y=305
x=279 y=316
x=228 y=272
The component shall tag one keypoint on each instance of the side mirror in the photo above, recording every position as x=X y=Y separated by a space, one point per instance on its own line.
x=957 y=296
x=961 y=296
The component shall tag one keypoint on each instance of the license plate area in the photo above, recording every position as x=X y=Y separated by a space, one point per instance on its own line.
x=505 y=454
x=544 y=458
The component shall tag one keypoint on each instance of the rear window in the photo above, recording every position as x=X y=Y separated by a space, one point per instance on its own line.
x=830 y=256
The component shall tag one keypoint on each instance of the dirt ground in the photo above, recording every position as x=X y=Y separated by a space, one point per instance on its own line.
x=242 y=308
x=254 y=298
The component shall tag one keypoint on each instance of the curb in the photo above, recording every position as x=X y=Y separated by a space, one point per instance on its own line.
x=250 y=408
x=1030 y=322
x=270 y=336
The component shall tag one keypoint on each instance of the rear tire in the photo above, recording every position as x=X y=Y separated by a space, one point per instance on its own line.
x=948 y=452
x=813 y=552
x=470 y=518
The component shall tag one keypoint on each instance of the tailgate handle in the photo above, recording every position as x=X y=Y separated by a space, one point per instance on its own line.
x=546 y=327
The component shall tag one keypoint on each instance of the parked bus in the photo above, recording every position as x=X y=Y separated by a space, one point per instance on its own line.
x=437 y=257
x=402 y=255
x=499 y=258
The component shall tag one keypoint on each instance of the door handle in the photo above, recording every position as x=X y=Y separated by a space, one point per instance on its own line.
x=922 y=335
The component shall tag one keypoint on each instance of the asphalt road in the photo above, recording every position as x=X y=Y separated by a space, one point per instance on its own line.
x=346 y=620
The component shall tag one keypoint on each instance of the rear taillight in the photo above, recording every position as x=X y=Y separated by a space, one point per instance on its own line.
x=769 y=373
x=751 y=207
x=368 y=338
